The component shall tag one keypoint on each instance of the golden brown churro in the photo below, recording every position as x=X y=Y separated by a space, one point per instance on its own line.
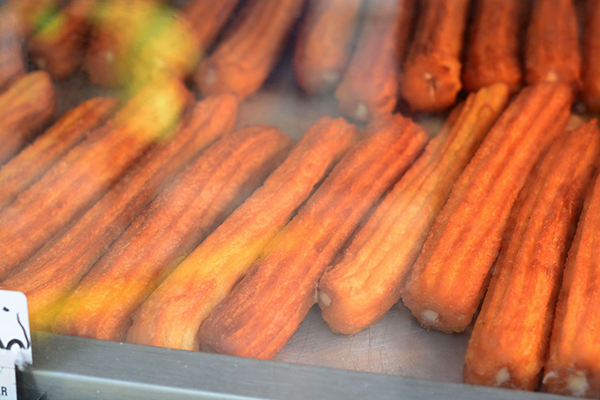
x=432 y=68
x=206 y=18
x=450 y=276
x=509 y=343
x=590 y=92
x=26 y=108
x=493 y=52
x=573 y=364
x=371 y=83
x=245 y=57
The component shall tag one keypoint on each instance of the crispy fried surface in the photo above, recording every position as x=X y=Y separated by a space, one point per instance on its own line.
x=166 y=231
x=366 y=283
x=450 y=276
x=264 y=310
x=73 y=127
x=509 y=342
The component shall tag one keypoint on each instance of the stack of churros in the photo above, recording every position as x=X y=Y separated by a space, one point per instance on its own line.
x=208 y=274
x=31 y=163
x=366 y=283
x=509 y=343
x=74 y=183
x=53 y=273
x=267 y=306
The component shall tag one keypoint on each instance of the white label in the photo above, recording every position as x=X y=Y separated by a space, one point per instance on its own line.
x=15 y=336
x=8 y=383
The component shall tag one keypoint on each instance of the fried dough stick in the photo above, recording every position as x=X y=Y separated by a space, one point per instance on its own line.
x=59 y=47
x=12 y=63
x=510 y=340
x=86 y=172
x=493 y=52
x=360 y=289
x=372 y=81
x=208 y=274
x=552 y=51
x=590 y=92
x=53 y=272
x=245 y=57
x=450 y=276
x=35 y=159
x=324 y=45
x=26 y=108
x=573 y=364
x=267 y=306
x=207 y=18
x=168 y=230
x=432 y=68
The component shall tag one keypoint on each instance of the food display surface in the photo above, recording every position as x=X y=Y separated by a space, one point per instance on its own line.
x=291 y=199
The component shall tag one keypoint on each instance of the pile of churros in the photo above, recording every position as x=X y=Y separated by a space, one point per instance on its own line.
x=145 y=216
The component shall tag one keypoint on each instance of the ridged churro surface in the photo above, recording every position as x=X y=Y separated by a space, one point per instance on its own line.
x=26 y=108
x=552 y=52
x=244 y=59
x=325 y=44
x=87 y=170
x=510 y=339
x=590 y=69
